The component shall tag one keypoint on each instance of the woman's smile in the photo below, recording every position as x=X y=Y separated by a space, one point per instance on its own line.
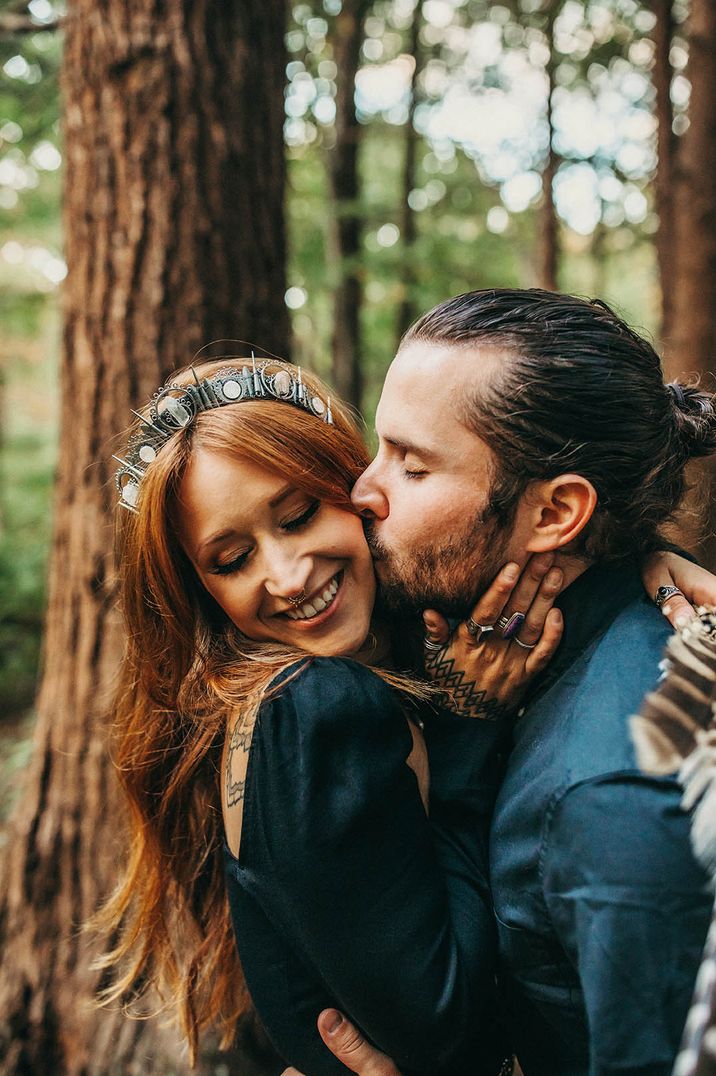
x=323 y=601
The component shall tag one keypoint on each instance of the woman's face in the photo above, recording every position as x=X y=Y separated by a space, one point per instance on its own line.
x=256 y=540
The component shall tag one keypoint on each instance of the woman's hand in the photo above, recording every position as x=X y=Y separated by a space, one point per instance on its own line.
x=346 y=1042
x=489 y=660
x=693 y=585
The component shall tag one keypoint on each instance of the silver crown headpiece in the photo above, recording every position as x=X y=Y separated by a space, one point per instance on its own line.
x=176 y=406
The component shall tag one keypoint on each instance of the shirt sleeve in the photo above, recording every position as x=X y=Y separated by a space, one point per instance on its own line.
x=391 y=909
x=631 y=908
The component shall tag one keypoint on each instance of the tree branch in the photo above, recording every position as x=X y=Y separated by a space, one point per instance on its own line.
x=12 y=24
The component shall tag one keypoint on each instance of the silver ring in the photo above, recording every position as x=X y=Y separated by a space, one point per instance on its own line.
x=433 y=647
x=478 y=630
x=525 y=646
x=663 y=594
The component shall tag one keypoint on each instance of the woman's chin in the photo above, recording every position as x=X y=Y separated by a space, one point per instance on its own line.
x=347 y=641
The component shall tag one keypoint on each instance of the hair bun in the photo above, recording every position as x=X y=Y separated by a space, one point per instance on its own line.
x=695 y=418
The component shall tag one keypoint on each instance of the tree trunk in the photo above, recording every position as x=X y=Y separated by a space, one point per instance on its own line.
x=173 y=216
x=692 y=337
x=549 y=227
x=694 y=328
x=407 y=310
x=345 y=185
x=665 y=174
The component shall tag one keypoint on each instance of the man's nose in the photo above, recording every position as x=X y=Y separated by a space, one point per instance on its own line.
x=368 y=496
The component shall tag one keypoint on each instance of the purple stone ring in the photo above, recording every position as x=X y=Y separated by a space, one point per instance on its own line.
x=511 y=625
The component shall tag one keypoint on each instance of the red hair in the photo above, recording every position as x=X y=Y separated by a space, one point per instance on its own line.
x=186 y=670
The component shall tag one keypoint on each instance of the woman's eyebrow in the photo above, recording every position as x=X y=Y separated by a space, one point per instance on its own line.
x=229 y=532
x=282 y=495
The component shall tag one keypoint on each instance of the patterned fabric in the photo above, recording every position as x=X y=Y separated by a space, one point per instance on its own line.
x=697 y=1056
x=676 y=731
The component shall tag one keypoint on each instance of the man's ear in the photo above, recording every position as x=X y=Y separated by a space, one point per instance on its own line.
x=558 y=510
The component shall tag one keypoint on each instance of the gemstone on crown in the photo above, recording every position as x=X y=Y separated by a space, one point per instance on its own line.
x=174 y=407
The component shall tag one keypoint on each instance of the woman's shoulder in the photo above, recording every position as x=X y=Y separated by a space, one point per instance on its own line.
x=325 y=684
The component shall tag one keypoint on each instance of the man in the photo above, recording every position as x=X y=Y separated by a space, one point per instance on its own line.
x=514 y=423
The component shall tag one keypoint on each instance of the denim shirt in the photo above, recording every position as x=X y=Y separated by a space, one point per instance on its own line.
x=601 y=908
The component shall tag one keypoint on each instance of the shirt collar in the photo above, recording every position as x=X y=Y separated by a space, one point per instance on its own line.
x=589 y=605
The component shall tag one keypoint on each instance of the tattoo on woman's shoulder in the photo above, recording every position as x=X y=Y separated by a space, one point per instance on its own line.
x=236 y=761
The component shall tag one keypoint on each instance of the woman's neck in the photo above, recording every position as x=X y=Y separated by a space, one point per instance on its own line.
x=376 y=648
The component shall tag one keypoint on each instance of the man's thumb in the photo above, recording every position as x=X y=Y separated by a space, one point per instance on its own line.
x=349 y=1046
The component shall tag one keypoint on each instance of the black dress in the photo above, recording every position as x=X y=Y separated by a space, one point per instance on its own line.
x=345 y=894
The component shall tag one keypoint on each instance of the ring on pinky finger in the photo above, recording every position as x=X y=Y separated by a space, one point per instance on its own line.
x=525 y=646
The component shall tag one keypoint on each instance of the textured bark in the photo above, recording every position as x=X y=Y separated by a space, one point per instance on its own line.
x=407 y=311
x=691 y=346
x=345 y=185
x=173 y=117
x=549 y=228
x=666 y=167
x=694 y=329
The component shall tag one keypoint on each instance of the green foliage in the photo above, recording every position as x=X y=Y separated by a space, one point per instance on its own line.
x=27 y=454
x=30 y=270
x=480 y=117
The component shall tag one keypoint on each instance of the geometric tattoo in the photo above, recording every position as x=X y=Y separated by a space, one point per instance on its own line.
x=236 y=762
x=462 y=697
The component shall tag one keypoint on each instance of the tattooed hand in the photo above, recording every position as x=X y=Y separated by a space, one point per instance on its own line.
x=488 y=662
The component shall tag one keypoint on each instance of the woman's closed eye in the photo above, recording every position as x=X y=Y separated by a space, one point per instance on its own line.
x=230 y=566
x=291 y=524
x=301 y=520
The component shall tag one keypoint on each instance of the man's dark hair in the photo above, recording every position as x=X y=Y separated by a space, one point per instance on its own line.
x=579 y=392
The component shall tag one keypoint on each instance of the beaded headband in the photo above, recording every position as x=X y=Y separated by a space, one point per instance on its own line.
x=175 y=406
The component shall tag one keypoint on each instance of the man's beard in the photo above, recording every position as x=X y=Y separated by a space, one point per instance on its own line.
x=447 y=575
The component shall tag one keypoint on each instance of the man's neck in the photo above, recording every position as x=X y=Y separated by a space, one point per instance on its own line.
x=572 y=567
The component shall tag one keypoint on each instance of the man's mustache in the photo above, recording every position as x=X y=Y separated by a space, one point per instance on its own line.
x=377 y=549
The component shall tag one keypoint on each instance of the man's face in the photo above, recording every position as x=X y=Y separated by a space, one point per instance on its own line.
x=425 y=497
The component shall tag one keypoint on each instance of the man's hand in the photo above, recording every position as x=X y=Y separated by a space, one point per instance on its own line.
x=349 y=1046
x=487 y=663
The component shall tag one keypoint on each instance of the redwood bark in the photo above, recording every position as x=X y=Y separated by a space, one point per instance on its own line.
x=692 y=337
x=345 y=185
x=694 y=329
x=174 y=234
x=407 y=311
x=666 y=162
x=549 y=227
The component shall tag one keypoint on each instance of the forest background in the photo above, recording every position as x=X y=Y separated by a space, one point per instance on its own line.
x=419 y=149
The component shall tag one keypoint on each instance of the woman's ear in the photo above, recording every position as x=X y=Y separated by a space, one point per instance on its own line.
x=558 y=510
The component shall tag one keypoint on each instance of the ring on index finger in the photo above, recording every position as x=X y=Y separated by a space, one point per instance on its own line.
x=478 y=630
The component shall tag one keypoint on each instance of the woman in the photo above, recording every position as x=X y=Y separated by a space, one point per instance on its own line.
x=240 y=556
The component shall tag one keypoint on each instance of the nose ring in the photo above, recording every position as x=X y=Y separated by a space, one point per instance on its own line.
x=298 y=599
